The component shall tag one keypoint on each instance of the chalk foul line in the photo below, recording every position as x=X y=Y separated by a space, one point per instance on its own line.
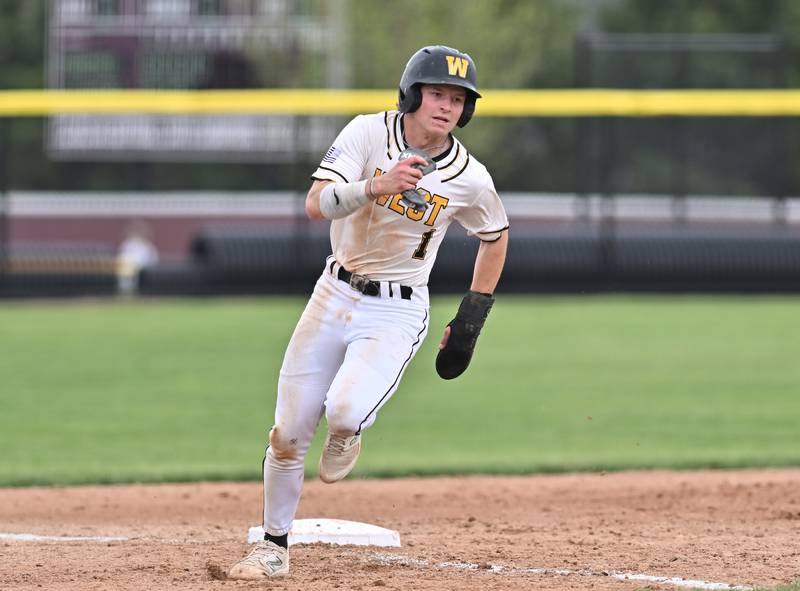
x=499 y=568
x=34 y=538
x=456 y=565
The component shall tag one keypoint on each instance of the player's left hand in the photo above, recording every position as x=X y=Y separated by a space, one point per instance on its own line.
x=461 y=334
x=445 y=338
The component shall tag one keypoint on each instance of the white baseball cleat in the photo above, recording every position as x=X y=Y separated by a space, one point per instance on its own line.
x=339 y=455
x=266 y=560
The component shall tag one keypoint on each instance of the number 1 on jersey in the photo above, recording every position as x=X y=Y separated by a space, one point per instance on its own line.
x=423 y=245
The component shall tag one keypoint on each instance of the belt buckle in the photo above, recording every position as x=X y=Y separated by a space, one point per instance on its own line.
x=358 y=282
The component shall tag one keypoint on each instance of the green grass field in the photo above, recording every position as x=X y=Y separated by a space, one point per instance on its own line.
x=112 y=391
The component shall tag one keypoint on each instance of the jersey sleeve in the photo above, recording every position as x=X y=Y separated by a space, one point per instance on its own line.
x=346 y=158
x=486 y=217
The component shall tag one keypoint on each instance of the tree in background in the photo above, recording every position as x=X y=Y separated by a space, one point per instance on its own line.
x=21 y=44
x=515 y=43
x=760 y=162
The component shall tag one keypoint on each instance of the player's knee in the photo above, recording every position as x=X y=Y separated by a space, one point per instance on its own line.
x=342 y=419
x=281 y=445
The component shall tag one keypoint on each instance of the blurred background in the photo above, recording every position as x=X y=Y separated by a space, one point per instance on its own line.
x=112 y=389
x=213 y=204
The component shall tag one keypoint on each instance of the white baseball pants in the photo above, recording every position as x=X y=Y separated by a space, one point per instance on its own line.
x=345 y=359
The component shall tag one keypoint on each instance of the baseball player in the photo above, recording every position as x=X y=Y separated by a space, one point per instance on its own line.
x=391 y=184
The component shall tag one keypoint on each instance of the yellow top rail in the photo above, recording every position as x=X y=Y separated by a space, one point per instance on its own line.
x=496 y=103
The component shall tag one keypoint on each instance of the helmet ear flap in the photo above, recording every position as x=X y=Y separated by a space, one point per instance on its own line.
x=468 y=112
x=410 y=100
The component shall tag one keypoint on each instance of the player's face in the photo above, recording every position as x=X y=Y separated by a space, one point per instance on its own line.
x=442 y=105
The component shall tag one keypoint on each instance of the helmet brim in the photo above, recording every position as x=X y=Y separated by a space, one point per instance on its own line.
x=449 y=81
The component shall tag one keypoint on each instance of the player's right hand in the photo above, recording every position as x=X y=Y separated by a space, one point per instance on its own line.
x=400 y=177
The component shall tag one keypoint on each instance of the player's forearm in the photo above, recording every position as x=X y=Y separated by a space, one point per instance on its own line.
x=333 y=201
x=312 y=200
x=489 y=264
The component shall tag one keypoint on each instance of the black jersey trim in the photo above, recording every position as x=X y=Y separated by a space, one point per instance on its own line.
x=336 y=172
x=455 y=157
x=459 y=172
x=501 y=230
x=397 y=378
x=398 y=123
x=493 y=231
x=388 y=134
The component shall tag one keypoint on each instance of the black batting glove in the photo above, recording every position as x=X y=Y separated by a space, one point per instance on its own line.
x=454 y=358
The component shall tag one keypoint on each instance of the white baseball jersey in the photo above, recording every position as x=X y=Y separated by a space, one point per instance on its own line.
x=349 y=350
x=386 y=241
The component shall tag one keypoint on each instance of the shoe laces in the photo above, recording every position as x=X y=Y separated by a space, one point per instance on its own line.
x=338 y=444
x=256 y=554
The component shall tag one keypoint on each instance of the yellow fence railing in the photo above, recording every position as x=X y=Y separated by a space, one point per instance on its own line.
x=496 y=103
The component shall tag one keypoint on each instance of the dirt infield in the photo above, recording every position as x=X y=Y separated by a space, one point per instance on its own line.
x=545 y=532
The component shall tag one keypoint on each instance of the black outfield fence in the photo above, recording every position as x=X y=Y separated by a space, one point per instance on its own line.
x=572 y=260
x=69 y=245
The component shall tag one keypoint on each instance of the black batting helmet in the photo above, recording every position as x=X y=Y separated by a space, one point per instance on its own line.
x=438 y=64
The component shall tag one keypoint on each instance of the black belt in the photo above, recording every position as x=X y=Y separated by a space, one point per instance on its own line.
x=367 y=286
